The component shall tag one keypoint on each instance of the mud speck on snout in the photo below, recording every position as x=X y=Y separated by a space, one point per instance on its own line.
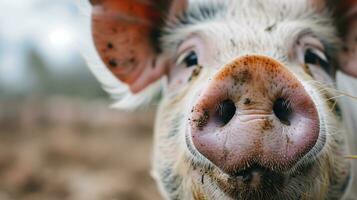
x=242 y=77
x=288 y=140
x=267 y=125
x=202 y=120
x=247 y=101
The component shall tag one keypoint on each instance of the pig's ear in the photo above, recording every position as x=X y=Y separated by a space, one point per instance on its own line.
x=346 y=12
x=126 y=34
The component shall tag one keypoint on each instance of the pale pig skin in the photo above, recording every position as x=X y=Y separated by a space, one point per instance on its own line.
x=247 y=107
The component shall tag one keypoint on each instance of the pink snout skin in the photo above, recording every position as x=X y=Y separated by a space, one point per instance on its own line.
x=254 y=112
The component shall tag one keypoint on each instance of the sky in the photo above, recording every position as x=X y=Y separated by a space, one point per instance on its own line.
x=51 y=27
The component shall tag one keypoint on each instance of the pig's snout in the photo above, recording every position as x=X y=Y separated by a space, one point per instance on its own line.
x=254 y=112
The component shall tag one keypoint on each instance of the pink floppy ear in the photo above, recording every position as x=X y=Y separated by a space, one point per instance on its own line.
x=347 y=11
x=125 y=34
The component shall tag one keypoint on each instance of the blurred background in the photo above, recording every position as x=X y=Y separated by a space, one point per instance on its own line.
x=58 y=137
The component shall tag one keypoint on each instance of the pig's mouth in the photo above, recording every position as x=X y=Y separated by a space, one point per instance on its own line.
x=257 y=182
x=251 y=182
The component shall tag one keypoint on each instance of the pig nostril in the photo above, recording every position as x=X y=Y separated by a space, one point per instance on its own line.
x=225 y=111
x=282 y=110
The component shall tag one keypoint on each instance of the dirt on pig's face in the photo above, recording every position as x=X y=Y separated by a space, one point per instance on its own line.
x=253 y=76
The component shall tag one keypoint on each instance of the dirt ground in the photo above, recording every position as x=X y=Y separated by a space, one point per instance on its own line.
x=74 y=150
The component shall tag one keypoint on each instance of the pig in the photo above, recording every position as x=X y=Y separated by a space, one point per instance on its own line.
x=245 y=92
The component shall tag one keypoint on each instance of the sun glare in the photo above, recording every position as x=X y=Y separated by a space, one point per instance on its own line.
x=61 y=38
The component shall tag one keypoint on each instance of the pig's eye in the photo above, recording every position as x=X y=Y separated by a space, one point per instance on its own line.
x=316 y=57
x=191 y=59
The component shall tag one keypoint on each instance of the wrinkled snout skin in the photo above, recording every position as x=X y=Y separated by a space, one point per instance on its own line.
x=256 y=134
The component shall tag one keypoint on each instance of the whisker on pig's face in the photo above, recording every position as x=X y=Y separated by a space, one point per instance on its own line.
x=248 y=108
